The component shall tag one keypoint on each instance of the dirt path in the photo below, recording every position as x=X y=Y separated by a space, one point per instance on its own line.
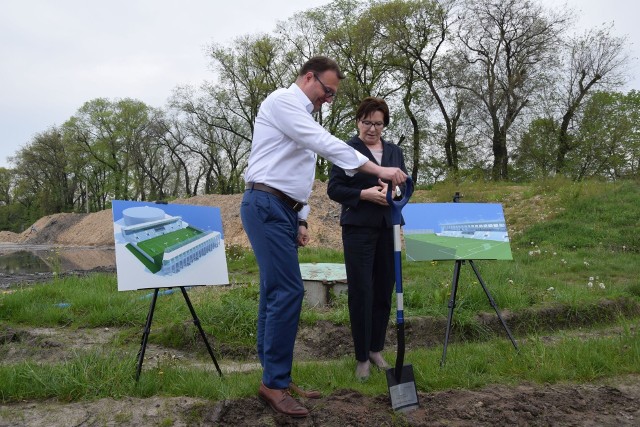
x=614 y=403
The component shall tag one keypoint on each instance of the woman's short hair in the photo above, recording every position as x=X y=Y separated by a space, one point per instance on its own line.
x=370 y=105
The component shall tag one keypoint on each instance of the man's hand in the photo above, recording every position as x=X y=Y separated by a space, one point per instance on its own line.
x=303 y=235
x=395 y=175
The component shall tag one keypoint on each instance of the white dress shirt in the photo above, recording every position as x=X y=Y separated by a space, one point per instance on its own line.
x=286 y=139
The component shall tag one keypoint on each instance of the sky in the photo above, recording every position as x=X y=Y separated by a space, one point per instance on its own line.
x=431 y=216
x=57 y=55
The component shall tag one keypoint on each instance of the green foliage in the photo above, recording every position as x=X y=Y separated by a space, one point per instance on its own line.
x=606 y=144
x=85 y=376
x=536 y=153
x=43 y=177
x=91 y=301
x=17 y=217
x=235 y=315
x=310 y=255
x=604 y=217
x=241 y=264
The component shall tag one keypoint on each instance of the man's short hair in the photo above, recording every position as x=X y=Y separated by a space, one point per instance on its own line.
x=320 y=64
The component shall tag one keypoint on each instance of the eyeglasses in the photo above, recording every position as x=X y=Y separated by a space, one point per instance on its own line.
x=327 y=92
x=368 y=124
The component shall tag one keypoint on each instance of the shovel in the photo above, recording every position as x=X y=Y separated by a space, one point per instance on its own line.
x=401 y=382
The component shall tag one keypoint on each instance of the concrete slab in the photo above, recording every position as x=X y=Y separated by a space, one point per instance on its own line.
x=323 y=282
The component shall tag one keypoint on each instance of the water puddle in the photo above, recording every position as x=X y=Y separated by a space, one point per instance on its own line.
x=16 y=261
x=22 y=262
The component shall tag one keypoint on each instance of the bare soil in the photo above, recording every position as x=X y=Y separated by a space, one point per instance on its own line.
x=612 y=402
x=600 y=404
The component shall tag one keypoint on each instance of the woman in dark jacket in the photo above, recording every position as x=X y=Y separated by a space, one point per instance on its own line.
x=367 y=236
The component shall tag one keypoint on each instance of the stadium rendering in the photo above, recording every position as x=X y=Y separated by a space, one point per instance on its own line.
x=165 y=244
x=483 y=230
x=453 y=231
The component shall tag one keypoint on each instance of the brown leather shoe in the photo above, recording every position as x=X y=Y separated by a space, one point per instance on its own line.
x=281 y=401
x=308 y=394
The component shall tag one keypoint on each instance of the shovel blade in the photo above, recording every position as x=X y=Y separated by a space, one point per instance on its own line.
x=403 y=393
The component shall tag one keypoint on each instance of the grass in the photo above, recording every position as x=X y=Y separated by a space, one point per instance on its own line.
x=471 y=365
x=575 y=250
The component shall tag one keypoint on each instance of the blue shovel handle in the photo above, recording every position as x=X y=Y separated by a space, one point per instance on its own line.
x=397 y=205
x=396 y=220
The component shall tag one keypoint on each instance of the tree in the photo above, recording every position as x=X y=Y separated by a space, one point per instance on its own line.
x=6 y=186
x=173 y=134
x=607 y=140
x=219 y=118
x=535 y=157
x=43 y=167
x=632 y=109
x=112 y=132
x=343 y=31
x=219 y=142
x=249 y=70
x=596 y=58
x=154 y=166
x=510 y=47
x=418 y=31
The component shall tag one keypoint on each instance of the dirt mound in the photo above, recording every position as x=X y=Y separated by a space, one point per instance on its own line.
x=95 y=229
x=323 y=218
x=62 y=229
x=562 y=405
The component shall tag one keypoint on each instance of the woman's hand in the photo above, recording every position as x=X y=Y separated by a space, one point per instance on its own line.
x=377 y=194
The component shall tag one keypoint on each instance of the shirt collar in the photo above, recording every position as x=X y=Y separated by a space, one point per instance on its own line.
x=308 y=105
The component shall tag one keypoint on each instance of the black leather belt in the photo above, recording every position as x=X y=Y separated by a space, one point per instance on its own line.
x=296 y=206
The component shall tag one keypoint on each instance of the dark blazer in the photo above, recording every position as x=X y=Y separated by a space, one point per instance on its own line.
x=346 y=190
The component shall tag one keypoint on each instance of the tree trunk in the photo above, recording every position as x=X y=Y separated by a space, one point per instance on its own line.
x=415 y=149
x=500 y=156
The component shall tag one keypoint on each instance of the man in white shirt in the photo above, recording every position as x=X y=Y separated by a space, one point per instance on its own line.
x=286 y=140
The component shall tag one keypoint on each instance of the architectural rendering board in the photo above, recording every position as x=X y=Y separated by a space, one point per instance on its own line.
x=455 y=231
x=168 y=245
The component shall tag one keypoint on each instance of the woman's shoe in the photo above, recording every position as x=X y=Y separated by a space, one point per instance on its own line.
x=362 y=370
x=377 y=359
